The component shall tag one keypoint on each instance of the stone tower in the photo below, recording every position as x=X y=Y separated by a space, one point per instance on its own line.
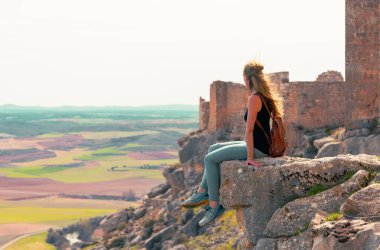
x=363 y=62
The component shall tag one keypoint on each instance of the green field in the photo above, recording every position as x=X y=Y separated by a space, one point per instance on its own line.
x=47 y=215
x=94 y=164
x=100 y=171
x=57 y=211
x=51 y=212
x=32 y=242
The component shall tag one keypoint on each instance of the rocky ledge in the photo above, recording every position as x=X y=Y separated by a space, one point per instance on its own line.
x=298 y=203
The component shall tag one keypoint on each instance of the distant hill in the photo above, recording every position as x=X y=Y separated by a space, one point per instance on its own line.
x=185 y=107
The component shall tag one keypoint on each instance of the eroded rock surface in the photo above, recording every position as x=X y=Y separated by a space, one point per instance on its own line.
x=256 y=193
x=296 y=215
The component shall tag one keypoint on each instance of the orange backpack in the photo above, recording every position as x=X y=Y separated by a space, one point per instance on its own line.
x=277 y=141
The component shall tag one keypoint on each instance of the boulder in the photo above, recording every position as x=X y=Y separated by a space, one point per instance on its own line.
x=194 y=147
x=346 y=234
x=330 y=149
x=191 y=228
x=175 y=178
x=155 y=241
x=364 y=203
x=256 y=193
x=342 y=234
x=305 y=147
x=320 y=142
x=193 y=150
x=110 y=223
x=301 y=241
x=187 y=216
x=353 y=145
x=160 y=189
x=140 y=212
x=296 y=215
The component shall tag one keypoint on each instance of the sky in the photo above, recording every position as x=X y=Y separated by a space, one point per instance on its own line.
x=157 y=52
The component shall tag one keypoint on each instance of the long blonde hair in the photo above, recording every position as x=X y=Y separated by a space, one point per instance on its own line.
x=254 y=71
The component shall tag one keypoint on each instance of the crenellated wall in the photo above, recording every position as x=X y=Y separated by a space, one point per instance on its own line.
x=307 y=105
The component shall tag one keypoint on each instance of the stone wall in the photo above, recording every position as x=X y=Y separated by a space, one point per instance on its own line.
x=279 y=77
x=204 y=112
x=227 y=105
x=317 y=104
x=330 y=76
x=307 y=106
x=363 y=60
x=237 y=96
x=312 y=105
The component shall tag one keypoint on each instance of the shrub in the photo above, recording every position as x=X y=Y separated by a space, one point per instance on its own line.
x=130 y=195
x=317 y=188
x=334 y=216
x=348 y=175
x=149 y=223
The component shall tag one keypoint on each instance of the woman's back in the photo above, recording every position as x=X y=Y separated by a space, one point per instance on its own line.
x=260 y=140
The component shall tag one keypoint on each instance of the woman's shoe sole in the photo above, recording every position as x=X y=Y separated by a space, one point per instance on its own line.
x=195 y=204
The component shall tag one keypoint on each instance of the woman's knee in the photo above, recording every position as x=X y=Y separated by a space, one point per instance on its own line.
x=210 y=158
x=212 y=147
x=207 y=158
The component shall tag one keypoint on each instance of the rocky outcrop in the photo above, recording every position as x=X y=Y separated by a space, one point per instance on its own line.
x=160 y=189
x=175 y=177
x=282 y=188
x=286 y=204
x=296 y=215
x=369 y=144
x=346 y=234
x=342 y=234
x=193 y=149
x=328 y=142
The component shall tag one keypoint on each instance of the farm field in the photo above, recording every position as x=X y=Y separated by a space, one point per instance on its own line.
x=34 y=215
x=32 y=242
x=58 y=166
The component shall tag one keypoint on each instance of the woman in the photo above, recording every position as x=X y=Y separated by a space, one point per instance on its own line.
x=254 y=146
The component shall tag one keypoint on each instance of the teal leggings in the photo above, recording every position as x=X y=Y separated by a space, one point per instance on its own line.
x=217 y=153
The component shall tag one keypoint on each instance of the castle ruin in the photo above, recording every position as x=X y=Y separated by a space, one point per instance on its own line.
x=328 y=102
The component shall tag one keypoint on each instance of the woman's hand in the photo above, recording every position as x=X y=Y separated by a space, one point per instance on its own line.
x=253 y=163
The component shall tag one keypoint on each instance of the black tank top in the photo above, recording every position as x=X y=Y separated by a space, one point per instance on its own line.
x=260 y=140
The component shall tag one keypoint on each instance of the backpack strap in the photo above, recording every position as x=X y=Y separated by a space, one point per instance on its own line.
x=270 y=114
x=265 y=104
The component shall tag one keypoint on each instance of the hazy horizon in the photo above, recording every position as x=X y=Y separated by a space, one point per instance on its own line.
x=10 y=105
x=98 y=53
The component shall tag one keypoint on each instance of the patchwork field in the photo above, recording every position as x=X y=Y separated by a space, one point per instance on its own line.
x=60 y=166
x=30 y=242
x=28 y=216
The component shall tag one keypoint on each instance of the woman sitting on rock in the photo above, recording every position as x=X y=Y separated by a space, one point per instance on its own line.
x=255 y=144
